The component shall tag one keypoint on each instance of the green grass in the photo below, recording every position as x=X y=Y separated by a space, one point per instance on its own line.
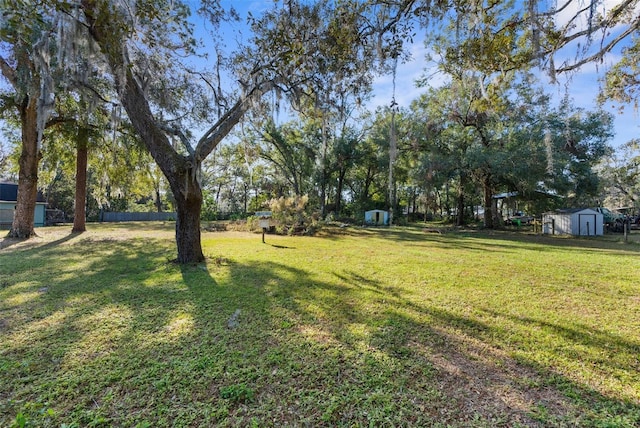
x=358 y=327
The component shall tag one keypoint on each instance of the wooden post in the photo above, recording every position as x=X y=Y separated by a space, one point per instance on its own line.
x=263 y=219
x=626 y=228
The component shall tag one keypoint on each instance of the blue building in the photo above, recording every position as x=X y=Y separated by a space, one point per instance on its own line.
x=8 y=200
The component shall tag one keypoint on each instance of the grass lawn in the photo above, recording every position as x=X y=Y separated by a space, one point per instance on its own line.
x=357 y=327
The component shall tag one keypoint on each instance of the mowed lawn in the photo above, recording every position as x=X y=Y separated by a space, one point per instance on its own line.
x=356 y=327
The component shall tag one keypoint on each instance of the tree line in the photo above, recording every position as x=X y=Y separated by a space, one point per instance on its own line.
x=106 y=86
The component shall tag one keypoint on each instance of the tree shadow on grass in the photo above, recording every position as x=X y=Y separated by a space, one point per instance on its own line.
x=506 y=241
x=122 y=337
x=474 y=363
x=109 y=326
x=33 y=242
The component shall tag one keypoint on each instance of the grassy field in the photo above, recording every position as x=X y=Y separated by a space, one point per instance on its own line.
x=357 y=327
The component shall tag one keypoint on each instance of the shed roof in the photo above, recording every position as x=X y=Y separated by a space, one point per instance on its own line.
x=9 y=193
x=571 y=211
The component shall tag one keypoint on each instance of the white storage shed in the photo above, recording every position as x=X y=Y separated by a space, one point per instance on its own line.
x=379 y=217
x=577 y=222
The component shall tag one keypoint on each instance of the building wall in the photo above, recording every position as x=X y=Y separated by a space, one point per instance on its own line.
x=7 y=208
x=6 y=215
x=40 y=215
x=580 y=223
x=376 y=217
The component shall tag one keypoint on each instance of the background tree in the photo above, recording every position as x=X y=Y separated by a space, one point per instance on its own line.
x=27 y=43
x=620 y=176
x=292 y=152
x=622 y=81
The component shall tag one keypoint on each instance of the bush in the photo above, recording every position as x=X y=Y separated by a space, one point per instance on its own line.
x=292 y=216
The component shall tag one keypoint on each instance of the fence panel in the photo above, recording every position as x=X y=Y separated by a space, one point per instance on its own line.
x=127 y=216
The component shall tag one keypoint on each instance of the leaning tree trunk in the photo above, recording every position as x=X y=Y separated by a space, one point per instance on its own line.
x=80 y=210
x=23 y=219
x=179 y=170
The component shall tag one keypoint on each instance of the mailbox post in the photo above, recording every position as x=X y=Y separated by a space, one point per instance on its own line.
x=264 y=221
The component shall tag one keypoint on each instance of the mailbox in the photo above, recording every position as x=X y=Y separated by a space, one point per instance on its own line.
x=264 y=221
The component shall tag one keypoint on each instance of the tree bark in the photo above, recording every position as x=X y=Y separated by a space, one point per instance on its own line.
x=80 y=209
x=158 y=200
x=188 y=208
x=23 y=219
x=460 y=208
x=341 y=175
x=488 y=202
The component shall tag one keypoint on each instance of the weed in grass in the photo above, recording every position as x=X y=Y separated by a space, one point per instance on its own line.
x=238 y=393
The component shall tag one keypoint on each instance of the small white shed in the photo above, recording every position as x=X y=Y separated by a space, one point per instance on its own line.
x=379 y=217
x=576 y=221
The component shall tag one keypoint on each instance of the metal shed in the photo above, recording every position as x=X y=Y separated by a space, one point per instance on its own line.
x=8 y=199
x=575 y=221
x=379 y=217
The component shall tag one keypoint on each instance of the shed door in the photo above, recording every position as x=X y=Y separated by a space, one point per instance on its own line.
x=587 y=224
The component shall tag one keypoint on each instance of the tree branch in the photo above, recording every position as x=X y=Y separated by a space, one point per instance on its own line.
x=8 y=72
x=178 y=133
x=604 y=50
x=225 y=124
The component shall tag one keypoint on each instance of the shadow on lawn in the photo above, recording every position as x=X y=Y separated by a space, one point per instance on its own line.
x=131 y=335
x=507 y=241
x=471 y=359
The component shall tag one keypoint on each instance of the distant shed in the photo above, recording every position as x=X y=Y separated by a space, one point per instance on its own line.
x=576 y=221
x=378 y=217
x=8 y=200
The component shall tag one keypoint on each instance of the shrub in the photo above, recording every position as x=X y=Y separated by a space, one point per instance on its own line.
x=292 y=215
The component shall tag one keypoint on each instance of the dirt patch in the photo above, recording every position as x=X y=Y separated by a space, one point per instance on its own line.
x=486 y=383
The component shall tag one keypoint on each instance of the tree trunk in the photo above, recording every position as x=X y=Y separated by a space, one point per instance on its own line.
x=460 y=210
x=188 y=209
x=23 y=219
x=488 y=202
x=80 y=209
x=158 y=200
x=341 y=175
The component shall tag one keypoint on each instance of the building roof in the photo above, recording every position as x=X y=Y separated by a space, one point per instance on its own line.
x=571 y=211
x=9 y=193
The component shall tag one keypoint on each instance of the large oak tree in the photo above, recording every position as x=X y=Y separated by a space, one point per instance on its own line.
x=295 y=45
